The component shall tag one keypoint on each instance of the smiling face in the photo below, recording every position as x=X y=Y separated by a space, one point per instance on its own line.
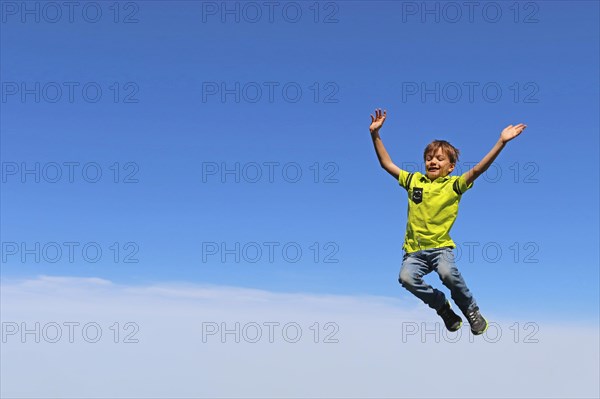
x=437 y=164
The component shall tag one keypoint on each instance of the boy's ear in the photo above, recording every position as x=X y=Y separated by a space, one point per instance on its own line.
x=452 y=167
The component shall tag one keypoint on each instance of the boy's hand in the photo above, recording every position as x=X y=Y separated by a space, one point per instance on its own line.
x=377 y=121
x=510 y=132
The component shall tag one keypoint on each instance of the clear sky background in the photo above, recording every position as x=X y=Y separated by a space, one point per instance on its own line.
x=542 y=194
x=178 y=105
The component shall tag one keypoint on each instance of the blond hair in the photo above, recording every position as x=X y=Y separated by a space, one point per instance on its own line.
x=448 y=149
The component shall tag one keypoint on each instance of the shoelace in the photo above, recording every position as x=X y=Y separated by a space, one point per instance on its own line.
x=473 y=316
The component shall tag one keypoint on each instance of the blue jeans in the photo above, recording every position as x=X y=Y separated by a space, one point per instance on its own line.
x=415 y=265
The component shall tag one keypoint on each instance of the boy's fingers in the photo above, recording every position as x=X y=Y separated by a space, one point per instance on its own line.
x=379 y=114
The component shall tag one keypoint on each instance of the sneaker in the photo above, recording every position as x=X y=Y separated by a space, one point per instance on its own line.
x=452 y=321
x=478 y=323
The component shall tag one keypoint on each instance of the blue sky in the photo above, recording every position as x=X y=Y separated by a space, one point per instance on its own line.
x=166 y=128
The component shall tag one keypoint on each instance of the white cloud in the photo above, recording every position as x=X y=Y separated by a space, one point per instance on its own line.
x=375 y=355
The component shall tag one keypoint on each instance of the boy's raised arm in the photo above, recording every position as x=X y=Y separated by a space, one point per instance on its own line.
x=509 y=133
x=384 y=158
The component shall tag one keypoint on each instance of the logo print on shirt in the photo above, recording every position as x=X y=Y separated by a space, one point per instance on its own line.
x=417 y=195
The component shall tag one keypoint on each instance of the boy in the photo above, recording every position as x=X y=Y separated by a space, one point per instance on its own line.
x=432 y=208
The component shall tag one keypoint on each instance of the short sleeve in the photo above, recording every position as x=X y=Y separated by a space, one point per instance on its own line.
x=460 y=185
x=405 y=178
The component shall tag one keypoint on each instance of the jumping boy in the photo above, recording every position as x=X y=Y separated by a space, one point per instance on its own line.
x=432 y=208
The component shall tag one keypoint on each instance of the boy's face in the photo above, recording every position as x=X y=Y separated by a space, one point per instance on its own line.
x=437 y=164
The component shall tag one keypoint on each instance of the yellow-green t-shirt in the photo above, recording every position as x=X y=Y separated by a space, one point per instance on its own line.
x=432 y=209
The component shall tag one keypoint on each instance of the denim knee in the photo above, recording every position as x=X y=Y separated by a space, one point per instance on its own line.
x=446 y=267
x=406 y=279
x=446 y=275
